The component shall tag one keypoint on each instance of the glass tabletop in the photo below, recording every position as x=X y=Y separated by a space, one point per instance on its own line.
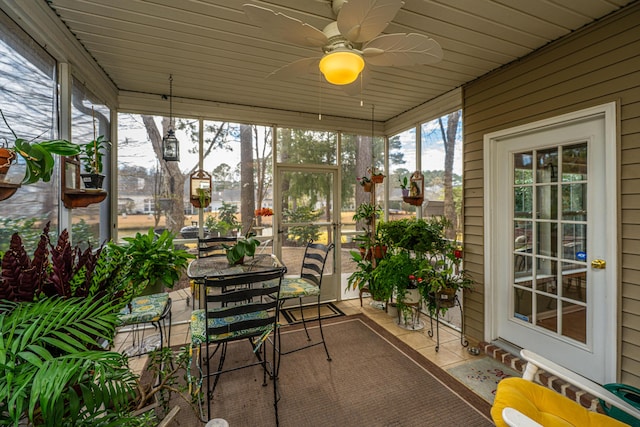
x=217 y=265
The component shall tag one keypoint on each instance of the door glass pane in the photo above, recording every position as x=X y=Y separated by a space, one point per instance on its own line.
x=546 y=276
x=574 y=163
x=546 y=312
x=574 y=242
x=307 y=214
x=547 y=166
x=547 y=201
x=574 y=281
x=523 y=201
x=574 y=321
x=574 y=202
x=547 y=239
x=523 y=169
x=297 y=146
x=522 y=305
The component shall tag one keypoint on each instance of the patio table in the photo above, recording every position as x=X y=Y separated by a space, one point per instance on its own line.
x=218 y=266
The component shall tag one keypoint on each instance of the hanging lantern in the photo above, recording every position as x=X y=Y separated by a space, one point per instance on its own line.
x=170 y=144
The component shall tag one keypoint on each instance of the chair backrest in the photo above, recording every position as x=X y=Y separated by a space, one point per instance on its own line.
x=208 y=246
x=314 y=261
x=242 y=305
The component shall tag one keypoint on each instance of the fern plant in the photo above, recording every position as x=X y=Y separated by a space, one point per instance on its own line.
x=53 y=370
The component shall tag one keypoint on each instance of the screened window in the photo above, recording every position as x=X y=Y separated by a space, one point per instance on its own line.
x=90 y=119
x=442 y=168
x=28 y=102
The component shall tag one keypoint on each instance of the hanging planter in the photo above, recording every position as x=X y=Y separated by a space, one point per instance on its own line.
x=92 y=180
x=377 y=179
x=367 y=187
x=6 y=159
x=415 y=201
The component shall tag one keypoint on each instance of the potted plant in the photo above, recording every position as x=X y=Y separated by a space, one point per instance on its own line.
x=366 y=183
x=204 y=197
x=363 y=279
x=245 y=246
x=395 y=272
x=91 y=156
x=38 y=156
x=366 y=212
x=155 y=261
x=60 y=270
x=444 y=279
x=376 y=177
x=404 y=186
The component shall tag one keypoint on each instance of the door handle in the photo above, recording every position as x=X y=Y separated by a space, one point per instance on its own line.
x=599 y=264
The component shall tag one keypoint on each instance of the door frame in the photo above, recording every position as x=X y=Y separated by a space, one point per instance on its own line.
x=610 y=198
x=330 y=279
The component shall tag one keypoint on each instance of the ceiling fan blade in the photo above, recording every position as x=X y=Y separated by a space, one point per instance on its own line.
x=398 y=50
x=297 y=68
x=289 y=29
x=357 y=87
x=362 y=20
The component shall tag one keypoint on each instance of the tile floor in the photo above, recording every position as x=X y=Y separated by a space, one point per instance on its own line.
x=451 y=352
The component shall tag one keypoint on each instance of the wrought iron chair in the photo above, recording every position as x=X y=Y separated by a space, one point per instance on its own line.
x=307 y=285
x=239 y=306
x=153 y=309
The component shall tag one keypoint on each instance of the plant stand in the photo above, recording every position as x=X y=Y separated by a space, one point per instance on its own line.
x=411 y=322
x=437 y=303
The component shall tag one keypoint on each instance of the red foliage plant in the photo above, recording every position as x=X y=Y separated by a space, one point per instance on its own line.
x=60 y=270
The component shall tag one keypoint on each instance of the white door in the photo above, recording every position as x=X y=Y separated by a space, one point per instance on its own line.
x=553 y=249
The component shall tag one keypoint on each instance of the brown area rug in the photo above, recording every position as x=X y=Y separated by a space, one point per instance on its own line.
x=374 y=379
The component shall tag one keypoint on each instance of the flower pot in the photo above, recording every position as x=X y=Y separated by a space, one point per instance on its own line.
x=405 y=192
x=377 y=179
x=92 y=180
x=6 y=158
x=196 y=203
x=367 y=187
x=412 y=296
x=446 y=297
x=379 y=251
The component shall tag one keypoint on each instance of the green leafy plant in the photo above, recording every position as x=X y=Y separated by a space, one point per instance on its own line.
x=38 y=156
x=245 y=246
x=204 y=196
x=366 y=212
x=392 y=273
x=404 y=183
x=92 y=154
x=153 y=260
x=53 y=370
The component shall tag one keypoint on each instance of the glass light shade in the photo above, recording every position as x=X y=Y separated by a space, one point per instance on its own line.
x=170 y=147
x=341 y=67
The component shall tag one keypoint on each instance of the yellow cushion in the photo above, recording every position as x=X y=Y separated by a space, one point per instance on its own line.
x=545 y=406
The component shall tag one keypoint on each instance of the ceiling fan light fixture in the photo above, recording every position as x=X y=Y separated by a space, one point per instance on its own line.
x=341 y=67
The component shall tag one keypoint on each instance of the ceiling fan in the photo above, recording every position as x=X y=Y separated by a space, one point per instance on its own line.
x=348 y=43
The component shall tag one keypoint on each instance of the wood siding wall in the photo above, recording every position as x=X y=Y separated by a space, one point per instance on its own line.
x=593 y=66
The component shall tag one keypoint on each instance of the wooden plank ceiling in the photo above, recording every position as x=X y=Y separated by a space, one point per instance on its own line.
x=215 y=54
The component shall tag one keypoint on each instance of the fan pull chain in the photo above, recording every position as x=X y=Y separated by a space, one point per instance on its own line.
x=319 y=96
x=361 y=100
